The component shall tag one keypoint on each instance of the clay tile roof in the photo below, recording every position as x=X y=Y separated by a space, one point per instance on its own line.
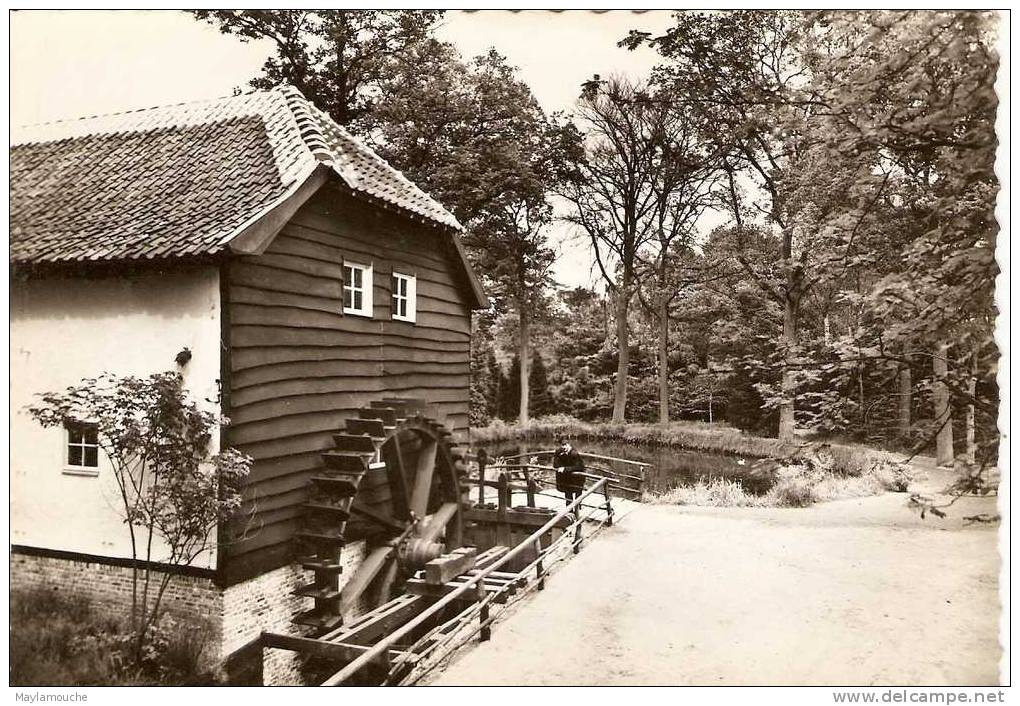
x=181 y=180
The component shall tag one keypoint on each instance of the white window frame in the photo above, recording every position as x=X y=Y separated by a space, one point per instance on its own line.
x=79 y=469
x=410 y=297
x=366 y=289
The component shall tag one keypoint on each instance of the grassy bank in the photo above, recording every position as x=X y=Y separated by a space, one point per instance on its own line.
x=61 y=641
x=795 y=486
x=845 y=459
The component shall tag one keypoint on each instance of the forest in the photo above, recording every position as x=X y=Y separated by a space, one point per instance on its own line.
x=790 y=219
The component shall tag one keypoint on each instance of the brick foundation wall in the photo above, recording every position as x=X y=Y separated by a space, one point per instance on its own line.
x=193 y=597
x=266 y=603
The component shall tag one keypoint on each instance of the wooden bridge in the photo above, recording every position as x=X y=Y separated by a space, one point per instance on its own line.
x=460 y=594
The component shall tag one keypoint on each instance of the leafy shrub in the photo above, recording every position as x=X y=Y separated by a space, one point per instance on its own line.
x=894 y=476
x=156 y=440
x=794 y=486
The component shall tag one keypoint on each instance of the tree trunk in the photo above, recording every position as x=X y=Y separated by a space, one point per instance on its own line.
x=906 y=398
x=623 y=344
x=971 y=392
x=663 y=362
x=787 y=423
x=943 y=411
x=860 y=396
x=524 y=326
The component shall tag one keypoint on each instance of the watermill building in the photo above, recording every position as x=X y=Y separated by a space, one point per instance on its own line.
x=324 y=302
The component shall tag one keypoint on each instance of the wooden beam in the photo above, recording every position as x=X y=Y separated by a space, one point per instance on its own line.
x=359 y=508
x=423 y=478
x=367 y=570
x=443 y=568
x=490 y=556
x=340 y=651
x=435 y=524
x=254 y=236
x=400 y=497
x=376 y=623
x=418 y=587
x=525 y=517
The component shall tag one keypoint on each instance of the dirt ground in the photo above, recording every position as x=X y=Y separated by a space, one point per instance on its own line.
x=849 y=592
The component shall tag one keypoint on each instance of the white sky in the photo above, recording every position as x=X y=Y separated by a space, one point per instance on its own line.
x=67 y=64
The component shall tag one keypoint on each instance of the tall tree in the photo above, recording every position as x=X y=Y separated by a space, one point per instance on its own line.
x=616 y=160
x=750 y=74
x=475 y=137
x=542 y=399
x=739 y=68
x=340 y=59
x=684 y=189
x=917 y=88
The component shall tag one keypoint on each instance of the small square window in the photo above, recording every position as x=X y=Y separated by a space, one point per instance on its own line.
x=357 y=289
x=404 y=295
x=82 y=446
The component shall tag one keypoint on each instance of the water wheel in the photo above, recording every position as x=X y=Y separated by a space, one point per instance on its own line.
x=393 y=479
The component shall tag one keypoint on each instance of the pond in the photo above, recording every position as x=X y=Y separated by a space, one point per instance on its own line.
x=672 y=466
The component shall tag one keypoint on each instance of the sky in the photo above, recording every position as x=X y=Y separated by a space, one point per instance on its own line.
x=68 y=64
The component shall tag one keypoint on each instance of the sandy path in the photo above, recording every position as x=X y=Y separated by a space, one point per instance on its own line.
x=849 y=592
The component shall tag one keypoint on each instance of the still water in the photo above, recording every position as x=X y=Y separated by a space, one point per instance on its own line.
x=671 y=466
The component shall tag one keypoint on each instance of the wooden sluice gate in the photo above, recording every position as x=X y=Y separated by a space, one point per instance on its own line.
x=508 y=550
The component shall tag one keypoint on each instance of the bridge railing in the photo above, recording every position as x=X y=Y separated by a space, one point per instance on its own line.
x=482 y=608
x=628 y=484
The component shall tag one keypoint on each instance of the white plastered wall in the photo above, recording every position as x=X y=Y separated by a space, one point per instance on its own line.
x=66 y=329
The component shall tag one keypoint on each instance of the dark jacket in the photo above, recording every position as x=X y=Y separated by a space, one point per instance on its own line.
x=567 y=464
x=569 y=460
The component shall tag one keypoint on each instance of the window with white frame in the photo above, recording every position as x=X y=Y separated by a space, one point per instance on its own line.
x=357 y=289
x=82 y=447
x=404 y=295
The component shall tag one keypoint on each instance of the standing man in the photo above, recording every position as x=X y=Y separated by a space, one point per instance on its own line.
x=568 y=465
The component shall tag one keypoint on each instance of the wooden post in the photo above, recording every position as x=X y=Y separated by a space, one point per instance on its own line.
x=577 y=533
x=483 y=618
x=539 y=569
x=483 y=461
x=502 y=526
x=531 y=492
x=609 y=505
x=504 y=494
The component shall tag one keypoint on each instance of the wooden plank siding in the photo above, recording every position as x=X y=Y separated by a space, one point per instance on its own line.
x=299 y=367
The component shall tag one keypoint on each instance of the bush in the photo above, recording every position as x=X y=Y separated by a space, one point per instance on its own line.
x=894 y=476
x=715 y=492
x=61 y=641
x=794 y=486
x=798 y=484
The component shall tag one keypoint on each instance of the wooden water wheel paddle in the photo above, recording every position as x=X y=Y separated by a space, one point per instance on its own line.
x=393 y=480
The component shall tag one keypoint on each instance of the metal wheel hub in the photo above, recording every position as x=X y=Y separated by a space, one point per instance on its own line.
x=414 y=553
